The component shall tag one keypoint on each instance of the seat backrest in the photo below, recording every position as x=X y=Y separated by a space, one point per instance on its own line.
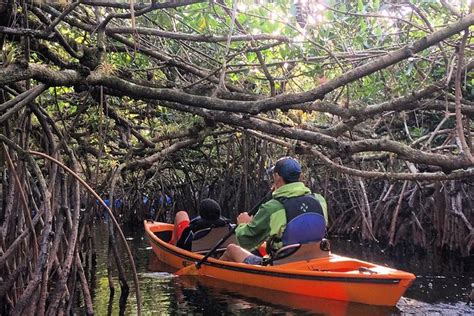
x=306 y=228
x=304 y=252
x=201 y=233
x=210 y=239
x=305 y=221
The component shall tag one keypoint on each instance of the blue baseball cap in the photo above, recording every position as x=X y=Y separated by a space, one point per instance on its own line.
x=288 y=168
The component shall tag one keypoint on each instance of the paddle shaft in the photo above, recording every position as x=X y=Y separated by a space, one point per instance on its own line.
x=252 y=212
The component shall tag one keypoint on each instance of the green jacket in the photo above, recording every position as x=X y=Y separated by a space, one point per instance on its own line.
x=270 y=219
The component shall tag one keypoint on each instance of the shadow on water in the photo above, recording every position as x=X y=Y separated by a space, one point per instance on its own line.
x=441 y=288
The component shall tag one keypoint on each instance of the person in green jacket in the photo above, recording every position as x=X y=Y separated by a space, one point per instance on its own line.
x=269 y=223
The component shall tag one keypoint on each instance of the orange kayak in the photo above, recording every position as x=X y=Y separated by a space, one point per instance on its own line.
x=331 y=277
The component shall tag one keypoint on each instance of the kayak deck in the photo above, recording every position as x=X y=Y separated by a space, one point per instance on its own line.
x=333 y=277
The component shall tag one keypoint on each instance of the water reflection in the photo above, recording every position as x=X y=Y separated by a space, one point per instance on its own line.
x=240 y=297
x=437 y=290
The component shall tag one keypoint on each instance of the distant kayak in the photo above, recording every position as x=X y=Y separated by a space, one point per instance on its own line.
x=326 y=276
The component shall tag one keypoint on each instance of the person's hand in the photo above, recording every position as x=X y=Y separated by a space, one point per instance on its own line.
x=244 y=218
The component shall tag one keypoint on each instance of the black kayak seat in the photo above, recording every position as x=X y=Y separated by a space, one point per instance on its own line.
x=299 y=252
x=205 y=239
x=201 y=233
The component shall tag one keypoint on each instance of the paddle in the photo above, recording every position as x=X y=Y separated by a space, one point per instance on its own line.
x=192 y=269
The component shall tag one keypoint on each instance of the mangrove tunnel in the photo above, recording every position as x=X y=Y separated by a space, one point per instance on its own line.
x=129 y=110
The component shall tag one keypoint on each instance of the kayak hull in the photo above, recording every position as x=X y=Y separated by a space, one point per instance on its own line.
x=333 y=277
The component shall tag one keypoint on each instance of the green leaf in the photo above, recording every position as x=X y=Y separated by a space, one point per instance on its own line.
x=363 y=26
x=376 y=5
x=409 y=71
x=329 y=15
x=378 y=30
x=202 y=24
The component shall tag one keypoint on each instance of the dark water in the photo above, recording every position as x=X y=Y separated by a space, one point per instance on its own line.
x=441 y=288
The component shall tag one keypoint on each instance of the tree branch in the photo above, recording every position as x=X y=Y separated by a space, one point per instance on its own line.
x=340 y=147
x=375 y=175
x=366 y=69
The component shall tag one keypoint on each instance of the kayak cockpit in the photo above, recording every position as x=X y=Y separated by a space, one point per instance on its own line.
x=335 y=264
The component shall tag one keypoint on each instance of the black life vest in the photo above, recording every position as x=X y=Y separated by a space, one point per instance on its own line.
x=305 y=221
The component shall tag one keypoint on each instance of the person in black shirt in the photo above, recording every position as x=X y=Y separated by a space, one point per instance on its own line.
x=209 y=217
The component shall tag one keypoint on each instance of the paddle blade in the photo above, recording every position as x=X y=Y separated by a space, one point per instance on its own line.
x=192 y=269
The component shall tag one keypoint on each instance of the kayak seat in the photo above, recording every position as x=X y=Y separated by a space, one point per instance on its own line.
x=299 y=252
x=205 y=239
x=201 y=233
x=283 y=252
